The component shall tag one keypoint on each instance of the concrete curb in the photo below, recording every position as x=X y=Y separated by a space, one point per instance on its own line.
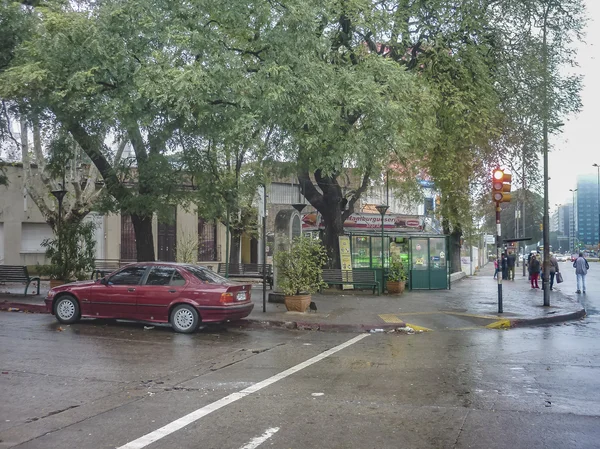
x=254 y=323
x=23 y=307
x=548 y=319
x=314 y=326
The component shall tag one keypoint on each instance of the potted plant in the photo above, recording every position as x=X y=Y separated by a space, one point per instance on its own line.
x=299 y=272
x=396 y=280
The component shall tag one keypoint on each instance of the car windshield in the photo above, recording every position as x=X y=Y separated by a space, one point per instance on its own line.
x=206 y=275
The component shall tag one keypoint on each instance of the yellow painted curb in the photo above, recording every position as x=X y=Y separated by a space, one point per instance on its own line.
x=501 y=324
x=390 y=318
x=419 y=328
x=472 y=315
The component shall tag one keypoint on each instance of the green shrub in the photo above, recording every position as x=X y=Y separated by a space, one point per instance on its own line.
x=396 y=271
x=75 y=257
x=299 y=270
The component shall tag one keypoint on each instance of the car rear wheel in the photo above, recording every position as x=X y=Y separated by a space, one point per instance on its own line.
x=66 y=309
x=185 y=319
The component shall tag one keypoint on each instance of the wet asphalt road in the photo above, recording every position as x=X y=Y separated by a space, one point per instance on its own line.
x=105 y=384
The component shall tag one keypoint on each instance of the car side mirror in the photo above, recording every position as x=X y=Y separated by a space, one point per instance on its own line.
x=104 y=281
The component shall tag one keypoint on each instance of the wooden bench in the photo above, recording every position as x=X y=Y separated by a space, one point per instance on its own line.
x=16 y=273
x=102 y=267
x=356 y=277
x=247 y=270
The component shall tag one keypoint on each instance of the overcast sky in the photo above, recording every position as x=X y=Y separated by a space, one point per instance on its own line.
x=579 y=146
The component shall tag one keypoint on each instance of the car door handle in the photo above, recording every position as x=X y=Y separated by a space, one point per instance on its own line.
x=131 y=289
x=172 y=291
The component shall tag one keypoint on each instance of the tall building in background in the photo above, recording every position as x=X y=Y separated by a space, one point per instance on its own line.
x=564 y=220
x=563 y=229
x=554 y=221
x=587 y=210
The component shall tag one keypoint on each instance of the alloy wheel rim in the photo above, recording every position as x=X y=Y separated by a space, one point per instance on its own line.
x=65 y=309
x=184 y=318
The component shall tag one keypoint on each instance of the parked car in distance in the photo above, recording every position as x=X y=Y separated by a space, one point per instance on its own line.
x=574 y=257
x=562 y=257
x=183 y=295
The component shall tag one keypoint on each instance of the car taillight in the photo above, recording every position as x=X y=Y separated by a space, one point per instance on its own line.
x=226 y=298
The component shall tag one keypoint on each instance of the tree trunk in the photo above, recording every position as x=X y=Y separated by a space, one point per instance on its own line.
x=144 y=241
x=333 y=206
x=334 y=228
x=455 y=237
x=235 y=247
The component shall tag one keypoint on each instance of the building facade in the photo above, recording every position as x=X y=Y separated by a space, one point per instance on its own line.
x=23 y=229
x=587 y=211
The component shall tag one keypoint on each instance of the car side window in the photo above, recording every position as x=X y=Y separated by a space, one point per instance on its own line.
x=128 y=276
x=177 y=280
x=160 y=276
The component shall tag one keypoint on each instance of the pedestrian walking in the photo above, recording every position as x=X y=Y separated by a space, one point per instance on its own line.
x=534 y=271
x=553 y=269
x=495 y=268
x=581 y=268
x=512 y=260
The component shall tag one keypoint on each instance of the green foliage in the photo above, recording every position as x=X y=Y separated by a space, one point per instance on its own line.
x=71 y=252
x=299 y=270
x=186 y=250
x=396 y=272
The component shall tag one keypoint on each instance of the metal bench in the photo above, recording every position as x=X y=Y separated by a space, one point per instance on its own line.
x=102 y=267
x=16 y=273
x=357 y=277
x=247 y=270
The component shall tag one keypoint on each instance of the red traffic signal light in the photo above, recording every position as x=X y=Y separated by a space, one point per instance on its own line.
x=501 y=186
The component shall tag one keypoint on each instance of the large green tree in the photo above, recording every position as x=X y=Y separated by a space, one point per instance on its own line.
x=100 y=76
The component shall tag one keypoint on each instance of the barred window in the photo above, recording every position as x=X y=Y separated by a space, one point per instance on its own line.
x=207 y=240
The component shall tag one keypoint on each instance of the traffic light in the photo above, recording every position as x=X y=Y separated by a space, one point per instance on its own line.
x=501 y=186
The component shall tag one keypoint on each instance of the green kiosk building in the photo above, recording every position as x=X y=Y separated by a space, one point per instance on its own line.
x=424 y=253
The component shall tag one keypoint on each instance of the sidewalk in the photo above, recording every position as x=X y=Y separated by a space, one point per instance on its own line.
x=470 y=304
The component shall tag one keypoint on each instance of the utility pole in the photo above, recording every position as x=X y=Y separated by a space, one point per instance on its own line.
x=598 y=205
x=545 y=107
x=500 y=194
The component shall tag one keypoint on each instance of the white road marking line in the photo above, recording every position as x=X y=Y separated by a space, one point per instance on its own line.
x=255 y=442
x=180 y=423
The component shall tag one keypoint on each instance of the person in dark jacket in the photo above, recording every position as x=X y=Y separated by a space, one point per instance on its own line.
x=504 y=264
x=534 y=271
x=512 y=259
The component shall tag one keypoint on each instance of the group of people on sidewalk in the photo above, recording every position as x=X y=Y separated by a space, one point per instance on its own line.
x=534 y=264
x=507 y=265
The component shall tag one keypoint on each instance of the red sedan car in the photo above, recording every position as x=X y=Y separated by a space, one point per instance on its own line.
x=180 y=294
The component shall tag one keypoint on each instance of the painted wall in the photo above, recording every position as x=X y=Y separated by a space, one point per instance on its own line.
x=16 y=208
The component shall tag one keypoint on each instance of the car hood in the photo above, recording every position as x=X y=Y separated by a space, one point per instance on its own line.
x=71 y=285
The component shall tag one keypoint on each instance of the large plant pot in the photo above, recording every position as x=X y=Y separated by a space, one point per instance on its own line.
x=297 y=303
x=396 y=287
x=56 y=283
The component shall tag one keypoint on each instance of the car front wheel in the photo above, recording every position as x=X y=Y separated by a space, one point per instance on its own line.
x=66 y=310
x=185 y=319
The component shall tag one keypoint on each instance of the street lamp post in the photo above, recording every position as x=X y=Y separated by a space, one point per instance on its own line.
x=59 y=195
x=382 y=209
x=573 y=213
x=598 y=199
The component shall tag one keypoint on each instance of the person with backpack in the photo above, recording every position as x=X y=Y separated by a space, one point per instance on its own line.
x=581 y=268
x=534 y=271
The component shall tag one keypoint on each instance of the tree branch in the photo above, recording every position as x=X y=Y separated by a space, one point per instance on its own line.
x=357 y=194
x=309 y=191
